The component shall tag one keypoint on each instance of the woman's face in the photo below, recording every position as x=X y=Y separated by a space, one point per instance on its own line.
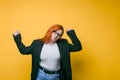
x=56 y=35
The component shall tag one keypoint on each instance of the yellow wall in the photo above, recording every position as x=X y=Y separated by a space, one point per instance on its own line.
x=97 y=24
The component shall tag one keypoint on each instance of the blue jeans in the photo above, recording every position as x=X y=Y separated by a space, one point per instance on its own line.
x=43 y=76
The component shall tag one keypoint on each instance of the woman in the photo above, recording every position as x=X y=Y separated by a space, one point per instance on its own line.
x=50 y=54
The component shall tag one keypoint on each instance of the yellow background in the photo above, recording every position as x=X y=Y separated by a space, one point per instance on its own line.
x=96 y=22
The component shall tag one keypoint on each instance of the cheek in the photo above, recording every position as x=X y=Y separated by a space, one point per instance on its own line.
x=52 y=36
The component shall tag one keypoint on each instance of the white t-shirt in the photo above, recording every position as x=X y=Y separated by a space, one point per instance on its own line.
x=50 y=57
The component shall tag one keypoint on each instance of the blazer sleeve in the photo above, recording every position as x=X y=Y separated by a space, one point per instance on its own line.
x=76 y=44
x=21 y=47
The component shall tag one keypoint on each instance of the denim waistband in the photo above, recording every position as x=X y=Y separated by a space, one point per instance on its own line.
x=49 y=72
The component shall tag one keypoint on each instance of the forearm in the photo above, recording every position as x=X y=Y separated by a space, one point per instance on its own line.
x=21 y=47
x=76 y=42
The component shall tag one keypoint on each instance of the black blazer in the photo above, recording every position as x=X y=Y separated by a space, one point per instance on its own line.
x=64 y=47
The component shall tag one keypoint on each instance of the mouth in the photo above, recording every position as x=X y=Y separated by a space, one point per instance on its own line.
x=55 y=38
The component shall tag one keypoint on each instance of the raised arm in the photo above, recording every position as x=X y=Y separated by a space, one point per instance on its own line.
x=18 y=40
x=76 y=44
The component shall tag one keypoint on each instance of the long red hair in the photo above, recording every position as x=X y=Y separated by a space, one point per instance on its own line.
x=47 y=36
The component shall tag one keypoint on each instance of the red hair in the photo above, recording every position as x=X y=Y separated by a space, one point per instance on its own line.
x=47 y=36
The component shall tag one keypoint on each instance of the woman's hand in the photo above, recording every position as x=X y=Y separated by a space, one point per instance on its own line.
x=16 y=33
x=69 y=29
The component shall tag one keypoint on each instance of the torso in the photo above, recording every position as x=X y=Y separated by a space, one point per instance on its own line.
x=50 y=57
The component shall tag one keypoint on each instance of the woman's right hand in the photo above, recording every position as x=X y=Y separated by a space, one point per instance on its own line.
x=16 y=33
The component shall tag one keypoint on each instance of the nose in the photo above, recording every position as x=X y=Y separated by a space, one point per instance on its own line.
x=56 y=35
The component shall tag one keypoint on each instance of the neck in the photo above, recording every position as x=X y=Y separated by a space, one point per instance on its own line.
x=51 y=43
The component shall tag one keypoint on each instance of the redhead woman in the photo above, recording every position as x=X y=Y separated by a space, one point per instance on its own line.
x=50 y=54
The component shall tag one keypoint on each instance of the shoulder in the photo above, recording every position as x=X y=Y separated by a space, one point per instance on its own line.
x=37 y=41
x=62 y=40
